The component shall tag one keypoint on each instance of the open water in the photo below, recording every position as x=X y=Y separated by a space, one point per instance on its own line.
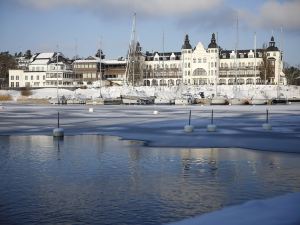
x=103 y=180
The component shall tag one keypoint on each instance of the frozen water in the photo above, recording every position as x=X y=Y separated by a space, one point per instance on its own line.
x=238 y=126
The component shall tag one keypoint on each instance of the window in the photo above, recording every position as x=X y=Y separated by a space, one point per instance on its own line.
x=199 y=60
x=204 y=60
x=17 y=77
x=37 y=77
x=12 y=84
x=215 y=64
x=26 y=77
x=17 y=84
x=31 y=77
x=12 y=77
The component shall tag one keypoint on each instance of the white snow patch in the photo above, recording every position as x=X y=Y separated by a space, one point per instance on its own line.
x=282 y=210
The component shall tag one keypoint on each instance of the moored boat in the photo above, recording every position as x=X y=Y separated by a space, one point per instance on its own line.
x=258 y=101
x=237 y=101
x=219 y=101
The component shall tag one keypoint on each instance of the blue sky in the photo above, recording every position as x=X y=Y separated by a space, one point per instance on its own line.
x=41 y=25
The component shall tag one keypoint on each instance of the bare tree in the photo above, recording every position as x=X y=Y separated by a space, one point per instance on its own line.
x=292 y=74
x=266 y=69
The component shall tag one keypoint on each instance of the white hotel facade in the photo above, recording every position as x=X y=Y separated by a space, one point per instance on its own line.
x=205 y=66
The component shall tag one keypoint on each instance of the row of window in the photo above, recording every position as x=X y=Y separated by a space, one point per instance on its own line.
x=212 y=50
x=157 y=58
x=12 y=77
x=162 y=66
x=240 y=64
x=200 y=60
x=85 y=65
x=37 y=68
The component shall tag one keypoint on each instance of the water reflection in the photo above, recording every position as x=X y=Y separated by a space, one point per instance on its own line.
x=103 y=180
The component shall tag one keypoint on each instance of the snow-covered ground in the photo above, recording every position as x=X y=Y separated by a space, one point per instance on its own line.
x=282 y=210
x=168 y=93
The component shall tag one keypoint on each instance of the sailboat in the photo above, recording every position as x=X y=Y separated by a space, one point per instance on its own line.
x=236 y=100
x=133 y=72
x=256 y=101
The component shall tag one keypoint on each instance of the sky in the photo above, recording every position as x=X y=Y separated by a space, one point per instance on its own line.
x=80 y=27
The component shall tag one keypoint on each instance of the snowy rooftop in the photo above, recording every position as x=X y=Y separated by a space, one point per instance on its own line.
x=45 y=55
x=114 y=61
x=40 y=62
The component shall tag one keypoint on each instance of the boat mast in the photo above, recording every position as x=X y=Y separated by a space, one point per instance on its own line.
x=236 y=55
x=255 y=59
x=100 y=62
x=280 y=59
x=131 y=54
x=163 y=55
x=57 y=75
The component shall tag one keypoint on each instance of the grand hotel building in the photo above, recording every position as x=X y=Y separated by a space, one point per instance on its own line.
x=200 y=66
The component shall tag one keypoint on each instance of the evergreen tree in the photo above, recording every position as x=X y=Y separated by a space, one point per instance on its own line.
x=28 y=54
x=7 y=62
x=98 y=54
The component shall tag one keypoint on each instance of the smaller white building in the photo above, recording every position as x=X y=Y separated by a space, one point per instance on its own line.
x=45 y=70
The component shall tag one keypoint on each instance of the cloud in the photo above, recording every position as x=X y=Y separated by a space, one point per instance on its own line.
x=144 y=7
x=222 y=16
x=275 y=14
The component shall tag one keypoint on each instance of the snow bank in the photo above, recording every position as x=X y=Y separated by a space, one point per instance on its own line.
x=167 y=93
x=282 y=210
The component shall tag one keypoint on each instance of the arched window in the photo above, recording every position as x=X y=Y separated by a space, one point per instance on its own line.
x=249 y=81
x=199 y=72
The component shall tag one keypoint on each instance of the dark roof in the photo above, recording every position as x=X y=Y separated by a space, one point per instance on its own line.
x=213 y=43
x=186 y=44
x=272 y=47
x=166 y=55
x=243 y=52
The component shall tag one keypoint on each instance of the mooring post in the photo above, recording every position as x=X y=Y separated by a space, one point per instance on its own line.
x=58 y=132
x=189 y=128
x=211 y=127
x=266 y=125
x=57 y=119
